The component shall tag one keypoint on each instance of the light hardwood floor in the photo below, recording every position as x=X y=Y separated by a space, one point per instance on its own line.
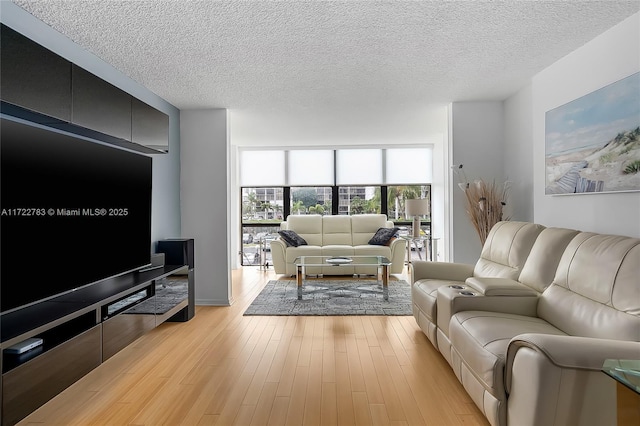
x=226 y=369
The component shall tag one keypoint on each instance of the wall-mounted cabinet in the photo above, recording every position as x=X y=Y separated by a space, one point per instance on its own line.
x=99 y=105
x=48 y=89
x=34 y=77
x=149 y=127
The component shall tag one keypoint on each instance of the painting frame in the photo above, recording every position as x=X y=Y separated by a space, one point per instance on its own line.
x=592 y=143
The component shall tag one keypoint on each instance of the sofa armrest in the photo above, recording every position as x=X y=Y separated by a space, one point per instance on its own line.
x=452 y=299
x=500 y=287
x=440 y=271
x=398 y=250
x=398 y=244
x=553 y=379
x=573 y=351
x=278 y=256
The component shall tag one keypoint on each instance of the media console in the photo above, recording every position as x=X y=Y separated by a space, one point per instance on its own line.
x=80 y=330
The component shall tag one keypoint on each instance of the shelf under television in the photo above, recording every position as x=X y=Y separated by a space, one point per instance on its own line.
x=33 y=320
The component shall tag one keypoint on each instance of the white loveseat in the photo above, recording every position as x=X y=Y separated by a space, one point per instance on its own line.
x=336 y=236
x=528 y=329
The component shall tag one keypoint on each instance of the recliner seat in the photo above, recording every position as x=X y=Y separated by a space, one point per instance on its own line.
x=503 y=256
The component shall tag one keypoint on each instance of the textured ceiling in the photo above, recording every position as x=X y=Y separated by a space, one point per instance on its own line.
x=345 y=54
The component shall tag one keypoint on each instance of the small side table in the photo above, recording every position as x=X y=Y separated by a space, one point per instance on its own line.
x=431 y=244
x=262 y=249
x=627 y=375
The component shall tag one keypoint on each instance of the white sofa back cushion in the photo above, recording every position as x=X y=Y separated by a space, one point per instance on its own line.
x=541 y=265
x=506 y=249
x=596 y=292
x=336 y=230
x=308 y=227
x=363 y=226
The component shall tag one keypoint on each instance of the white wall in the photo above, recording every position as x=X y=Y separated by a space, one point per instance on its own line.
x=334 y=128
x=165 y=207
x=204 y=201
x=609 y=57
x=477 y=142
x=361 y=126
x=518 y=154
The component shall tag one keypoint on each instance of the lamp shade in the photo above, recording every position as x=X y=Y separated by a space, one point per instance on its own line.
x=417 y=207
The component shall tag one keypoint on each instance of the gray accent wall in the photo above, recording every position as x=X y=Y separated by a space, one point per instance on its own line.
x=518 y=154
x=165 y=216
x=205 y=201
x=477 y=142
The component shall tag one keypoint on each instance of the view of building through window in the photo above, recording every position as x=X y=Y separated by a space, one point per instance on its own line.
x=359 y=199
x=311 y=200
x=262 y=204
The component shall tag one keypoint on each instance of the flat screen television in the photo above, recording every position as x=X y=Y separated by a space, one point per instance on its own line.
x=73 y=213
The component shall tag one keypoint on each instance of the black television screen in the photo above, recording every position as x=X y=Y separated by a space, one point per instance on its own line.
x=73 y=212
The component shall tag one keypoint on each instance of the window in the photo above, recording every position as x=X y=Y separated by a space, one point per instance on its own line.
x=310 y=167
x=262 y=204
x=359 y=199
x=408 y=165
x=358 y=166
x=311 y=200
x=262 y=168
x=279 y=182
x=397 y=195
x=262 y=212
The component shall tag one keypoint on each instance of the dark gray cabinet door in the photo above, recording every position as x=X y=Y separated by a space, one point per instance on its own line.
x=33 y=77
x=100 y=106
x=149 y=127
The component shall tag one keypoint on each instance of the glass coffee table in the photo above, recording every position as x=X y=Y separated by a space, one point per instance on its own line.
x=380 y=262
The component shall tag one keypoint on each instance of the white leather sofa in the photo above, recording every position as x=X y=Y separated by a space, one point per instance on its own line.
x=529 y=350
x=503 y=255
x=336 y=236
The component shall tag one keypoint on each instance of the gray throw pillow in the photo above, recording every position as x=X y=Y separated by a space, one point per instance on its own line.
x=383 y=236
x=292 y=239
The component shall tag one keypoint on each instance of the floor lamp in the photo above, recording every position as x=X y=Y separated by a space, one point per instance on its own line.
x=416 y=208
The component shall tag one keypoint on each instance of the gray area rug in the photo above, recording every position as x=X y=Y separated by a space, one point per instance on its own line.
x=332 y=297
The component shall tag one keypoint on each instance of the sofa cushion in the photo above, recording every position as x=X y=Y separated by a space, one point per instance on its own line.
x=336 y=230
x=595 y=292
x=383 y=236
x=481 y=338
x=292 y=238
x=506 y=249
x=293 y=252
x=308 y=227
x=363 y=226
x=368 y=250
x=337 y=250
x=540 y=268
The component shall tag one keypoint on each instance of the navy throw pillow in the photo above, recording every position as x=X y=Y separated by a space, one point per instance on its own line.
x=292 y=239
x=383 y=236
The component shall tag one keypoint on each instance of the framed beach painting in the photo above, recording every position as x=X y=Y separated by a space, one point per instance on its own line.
x=592 y=144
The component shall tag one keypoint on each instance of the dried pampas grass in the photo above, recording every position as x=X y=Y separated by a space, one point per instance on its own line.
x=484 y=204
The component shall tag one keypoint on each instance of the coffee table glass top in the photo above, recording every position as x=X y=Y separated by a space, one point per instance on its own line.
x=625 y=371
x=342 y=261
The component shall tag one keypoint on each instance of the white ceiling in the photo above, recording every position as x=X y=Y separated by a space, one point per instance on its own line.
x=263 y=55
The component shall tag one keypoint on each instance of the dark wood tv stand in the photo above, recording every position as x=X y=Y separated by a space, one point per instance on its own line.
x=80 y=330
